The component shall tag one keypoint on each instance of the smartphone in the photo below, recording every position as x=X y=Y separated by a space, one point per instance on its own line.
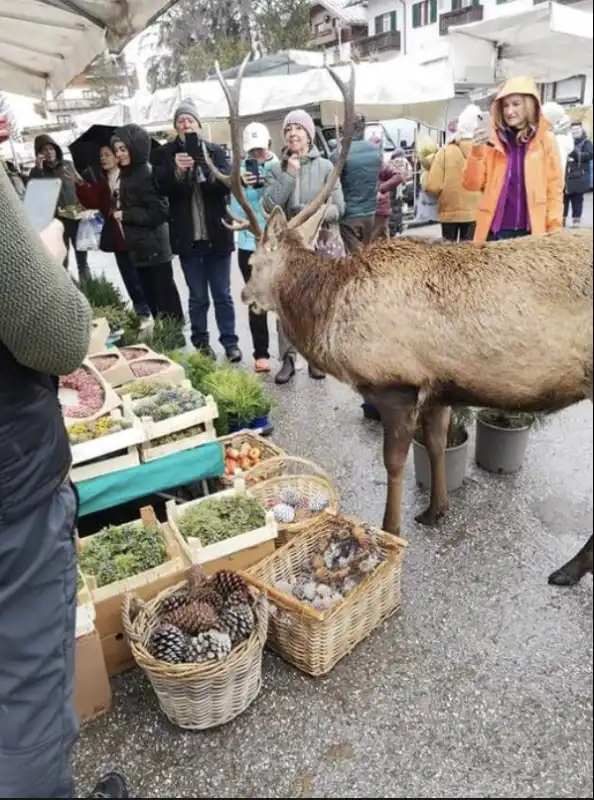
x=193 y=145
x=41 y=201
x=252 y=166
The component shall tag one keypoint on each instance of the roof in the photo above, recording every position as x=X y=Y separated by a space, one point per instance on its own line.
x=353 y=12
x=49 y=42
x=285 y=62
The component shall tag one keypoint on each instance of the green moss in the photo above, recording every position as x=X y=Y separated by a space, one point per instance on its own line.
x=122 y=551
x=215 y=520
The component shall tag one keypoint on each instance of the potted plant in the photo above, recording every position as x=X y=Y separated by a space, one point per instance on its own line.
x=502 y=439
x=456 y=455
x=241 y=399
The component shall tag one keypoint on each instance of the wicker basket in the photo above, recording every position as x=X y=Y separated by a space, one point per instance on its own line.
x=267 y=493
x=267 y=449
x=198 y=696
x=284 y=465
x=312 y=640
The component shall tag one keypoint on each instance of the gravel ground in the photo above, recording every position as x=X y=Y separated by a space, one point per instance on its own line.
x=482 y=687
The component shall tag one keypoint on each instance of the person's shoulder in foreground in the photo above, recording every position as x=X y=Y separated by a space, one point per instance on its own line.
x=45 y=321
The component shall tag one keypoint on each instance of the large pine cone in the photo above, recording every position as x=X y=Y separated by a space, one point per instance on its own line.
x=227 y=583
x=193 y=618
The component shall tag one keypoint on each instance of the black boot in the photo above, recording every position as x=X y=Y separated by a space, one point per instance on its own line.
x=286 y=372
x=205 y=349
x=111 y=785
x=315 y=373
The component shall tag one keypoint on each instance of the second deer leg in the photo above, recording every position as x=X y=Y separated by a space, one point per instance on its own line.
x=575 y=569
x=398 y=414
x=436 y=421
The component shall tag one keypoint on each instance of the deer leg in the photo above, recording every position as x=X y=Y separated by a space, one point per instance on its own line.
x=435 y=421
x=398 y=412
x=575 y=569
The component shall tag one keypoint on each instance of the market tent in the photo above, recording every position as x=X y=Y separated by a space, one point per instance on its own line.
x=549 y=42
x=285 y=62
x=47 y=43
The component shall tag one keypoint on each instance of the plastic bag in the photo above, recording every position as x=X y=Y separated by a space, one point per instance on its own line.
x=88 y=234
x=426 y=208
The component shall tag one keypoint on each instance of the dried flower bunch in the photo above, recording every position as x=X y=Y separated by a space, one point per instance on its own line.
x=90 y=394
x=168 y=403
x=87 y=431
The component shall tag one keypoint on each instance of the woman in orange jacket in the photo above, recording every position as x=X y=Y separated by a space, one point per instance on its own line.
x=517 y=168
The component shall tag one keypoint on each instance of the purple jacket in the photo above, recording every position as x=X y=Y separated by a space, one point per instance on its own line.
x=512 y=208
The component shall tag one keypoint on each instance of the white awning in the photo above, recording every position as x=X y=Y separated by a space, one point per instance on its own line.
x=47 y=43
x=548 y=42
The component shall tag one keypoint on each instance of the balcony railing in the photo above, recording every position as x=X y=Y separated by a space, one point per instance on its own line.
x=380 y=43
x=460 y=16
x=73 y=104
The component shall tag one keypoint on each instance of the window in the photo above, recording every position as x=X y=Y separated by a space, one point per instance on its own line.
x=570 y=91
x=385 y=23
x=424 y=13
x=64 y=119
x=457 y=4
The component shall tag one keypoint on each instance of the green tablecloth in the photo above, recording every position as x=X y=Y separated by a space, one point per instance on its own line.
x=106 y=491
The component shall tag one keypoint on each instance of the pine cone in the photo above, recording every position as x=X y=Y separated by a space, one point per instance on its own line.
x=197 y=579
x=169 y=644
x=226 y=583
x=193 y=618
x=209 y=646
x=207 y=594
x=174 y=601
x=239 y=622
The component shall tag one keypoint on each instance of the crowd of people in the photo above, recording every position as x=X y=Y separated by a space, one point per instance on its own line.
x=513 y=173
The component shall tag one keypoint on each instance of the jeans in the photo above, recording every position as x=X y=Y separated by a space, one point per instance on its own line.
x=38 y=724
x=458 y=231
x=576 y=201
x=129 y=273
x=70 y=232
x=204 y=271
x=160 y=291
x=258 y=322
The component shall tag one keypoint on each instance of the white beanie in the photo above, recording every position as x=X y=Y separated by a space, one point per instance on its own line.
x=468 y=122
x=556 y=115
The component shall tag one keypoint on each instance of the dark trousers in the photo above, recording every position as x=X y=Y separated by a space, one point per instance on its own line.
x=129 y=273
x=357 y=232
x=160 y=291
x=258 y=322
x=38 y=724
x=82 y=263
x=204 y=271
x=576 y=201
x=458 y=231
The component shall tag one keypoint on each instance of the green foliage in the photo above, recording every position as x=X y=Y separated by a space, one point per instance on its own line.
x=197 y=366
x=284 y=24
x=101 y=293
x=119 y=552
x=144 y=388
x=215 y=520
x=226 y=50
x=166 y=335
x=117 y=317
x=239 y=395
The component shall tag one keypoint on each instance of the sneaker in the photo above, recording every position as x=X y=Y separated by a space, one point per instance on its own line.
x=233 y=354
x=111 y=785
x=261 y=365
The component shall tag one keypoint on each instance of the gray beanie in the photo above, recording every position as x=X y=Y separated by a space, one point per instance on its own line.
x=186 y=107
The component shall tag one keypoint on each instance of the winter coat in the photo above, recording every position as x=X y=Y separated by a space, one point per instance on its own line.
x=359 y=178
x=144 y=211
x=456 y=204
x=294 y=192
x=577 y=179
x=97 y=195
x=62 y=170
x=487 y=170
x=389 y=178
x=560 y=124
x=180 y=193
x=245 y=239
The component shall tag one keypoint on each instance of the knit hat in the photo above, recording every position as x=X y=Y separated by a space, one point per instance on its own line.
x=301 y=117
x=186 y=107
x=556 y=115
x=468 y=122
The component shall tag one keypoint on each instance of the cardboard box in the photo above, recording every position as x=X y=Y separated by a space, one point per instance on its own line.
x=92 y=692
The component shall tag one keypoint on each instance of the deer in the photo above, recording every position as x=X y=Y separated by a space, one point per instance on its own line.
x=417 y=326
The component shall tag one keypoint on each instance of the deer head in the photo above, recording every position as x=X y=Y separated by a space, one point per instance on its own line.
x=280 y=236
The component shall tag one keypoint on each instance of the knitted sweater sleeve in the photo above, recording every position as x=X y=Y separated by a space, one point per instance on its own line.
x=45 y=321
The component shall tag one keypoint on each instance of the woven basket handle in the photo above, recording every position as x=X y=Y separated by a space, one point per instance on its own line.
x=131 y=608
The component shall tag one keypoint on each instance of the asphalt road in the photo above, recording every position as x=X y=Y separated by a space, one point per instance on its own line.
x=481 y=688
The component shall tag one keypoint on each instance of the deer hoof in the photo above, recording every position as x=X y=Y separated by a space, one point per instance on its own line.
x=568 y=575
x=430 y=516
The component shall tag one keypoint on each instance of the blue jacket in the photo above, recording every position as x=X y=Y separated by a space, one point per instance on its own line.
x=245 y=239
x=360 y=178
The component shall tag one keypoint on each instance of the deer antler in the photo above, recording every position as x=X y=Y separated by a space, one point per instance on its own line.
x=348 y=93
x=233 y=181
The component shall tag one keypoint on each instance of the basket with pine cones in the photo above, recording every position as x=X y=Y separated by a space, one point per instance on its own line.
x=200 y=644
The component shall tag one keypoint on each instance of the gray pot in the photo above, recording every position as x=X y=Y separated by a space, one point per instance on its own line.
x=456 y=461
x=500 y=450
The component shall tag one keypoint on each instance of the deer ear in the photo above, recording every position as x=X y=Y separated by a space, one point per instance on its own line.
x=275 y=227
x=310 y=229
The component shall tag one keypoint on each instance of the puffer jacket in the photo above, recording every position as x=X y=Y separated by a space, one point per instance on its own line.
x=245 y=239
x=144 y=211
x=360 y=177
x=456 y=204
x=294 y=192
x=390 y=177
x=577 y=180
x=62 y=170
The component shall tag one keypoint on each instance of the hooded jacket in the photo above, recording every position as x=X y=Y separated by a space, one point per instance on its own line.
x=59 y=169
x=456 y=204
x=144 y=211
x=489 y=170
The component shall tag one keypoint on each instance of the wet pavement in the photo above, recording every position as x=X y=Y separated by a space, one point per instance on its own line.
x=482 y=687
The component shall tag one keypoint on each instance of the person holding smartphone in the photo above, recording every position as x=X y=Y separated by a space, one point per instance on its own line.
x=258 y=161
x=197 y=208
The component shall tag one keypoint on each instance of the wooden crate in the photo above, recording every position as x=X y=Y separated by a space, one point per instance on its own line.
x=144 y=349
x=193 y=549
x=173 y=372
x=85 y=609
x=110 y=399
x=110 y=453
x=119 y=372
x=174 y=564
x=202 y=417
x=99 y=334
